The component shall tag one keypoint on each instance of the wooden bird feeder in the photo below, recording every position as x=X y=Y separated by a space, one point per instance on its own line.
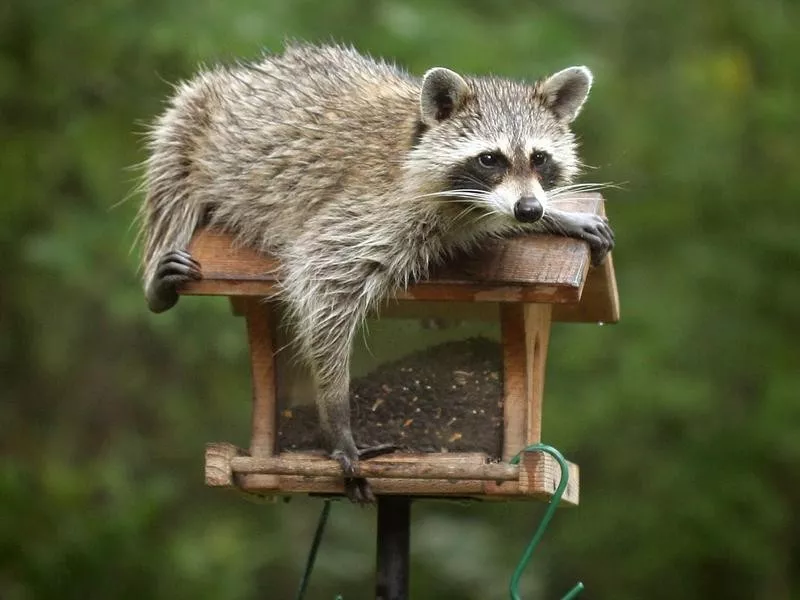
x=524 y=284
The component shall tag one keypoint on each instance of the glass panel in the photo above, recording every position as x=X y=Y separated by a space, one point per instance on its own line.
x=425 y=376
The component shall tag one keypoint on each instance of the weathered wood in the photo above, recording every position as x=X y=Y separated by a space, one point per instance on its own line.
x=537 y=268
x=525 y=334
x=600 y=300
x=262 y=366
x=420 y=468
x=218 y=464
x=540 y=475
x=515 y=378
x=536 y=477
x=416 y=487
x=430 y=488
x=537 y=338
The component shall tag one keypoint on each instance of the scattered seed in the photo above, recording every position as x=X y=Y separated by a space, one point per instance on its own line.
x=419 y=399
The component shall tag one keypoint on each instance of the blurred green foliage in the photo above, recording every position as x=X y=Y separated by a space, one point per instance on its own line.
x=685 y=417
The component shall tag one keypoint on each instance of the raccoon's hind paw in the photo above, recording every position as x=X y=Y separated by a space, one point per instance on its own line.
x=358 y=489
x=174 y=268
x=372 y=451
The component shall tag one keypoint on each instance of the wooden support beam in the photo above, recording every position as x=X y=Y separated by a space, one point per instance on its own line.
x=537 y=338
x=525 y=331
x=260 y=333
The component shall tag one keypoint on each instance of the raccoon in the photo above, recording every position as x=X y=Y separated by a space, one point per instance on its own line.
x=358 y=176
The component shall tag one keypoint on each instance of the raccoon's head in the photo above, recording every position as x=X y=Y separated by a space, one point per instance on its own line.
x=496 y=144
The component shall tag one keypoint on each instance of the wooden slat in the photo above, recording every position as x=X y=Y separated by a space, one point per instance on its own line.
x=262 y=367
x=218 y=464
x=600 y=300
x=429 y=488
x=540 y=475
x=536 y=268
x=525 y=331
x=537 y=338
x=420 y=468
x=515 y=378
x=537 y=475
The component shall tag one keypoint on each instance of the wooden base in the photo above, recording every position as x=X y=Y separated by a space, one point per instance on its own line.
x=453 y=475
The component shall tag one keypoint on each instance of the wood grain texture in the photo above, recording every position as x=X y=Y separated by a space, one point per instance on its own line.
x=525 y=334
x=515 y=378
x=419 y=467
x=540 y=475
x=536 y=477
x=537 y=339
x=600 y=300
x=536 y=268
x=218 y=464
x=262 y=366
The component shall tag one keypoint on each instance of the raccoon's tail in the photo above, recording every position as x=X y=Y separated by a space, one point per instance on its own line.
x=170 y=212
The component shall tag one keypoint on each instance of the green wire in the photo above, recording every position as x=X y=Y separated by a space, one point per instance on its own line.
x=312 y=554
x=513 y=587
x=526 y=556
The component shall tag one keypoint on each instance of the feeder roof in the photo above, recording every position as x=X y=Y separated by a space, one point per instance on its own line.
x=535 y=268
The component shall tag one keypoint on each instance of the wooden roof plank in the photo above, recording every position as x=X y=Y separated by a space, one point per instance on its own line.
x=535 y=268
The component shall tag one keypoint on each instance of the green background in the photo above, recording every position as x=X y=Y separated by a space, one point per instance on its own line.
x=684 y=418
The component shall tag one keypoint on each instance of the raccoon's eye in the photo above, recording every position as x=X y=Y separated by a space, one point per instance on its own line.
x=490 y=160
x=539 y=158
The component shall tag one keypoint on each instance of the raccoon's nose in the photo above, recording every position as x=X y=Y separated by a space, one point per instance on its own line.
x=528 y=210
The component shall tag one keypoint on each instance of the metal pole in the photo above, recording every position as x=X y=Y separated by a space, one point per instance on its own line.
x=394 y=532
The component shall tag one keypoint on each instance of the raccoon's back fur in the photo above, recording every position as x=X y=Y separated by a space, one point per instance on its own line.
x=357 y=176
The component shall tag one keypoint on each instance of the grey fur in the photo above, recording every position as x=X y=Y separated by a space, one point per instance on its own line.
x=332 y=161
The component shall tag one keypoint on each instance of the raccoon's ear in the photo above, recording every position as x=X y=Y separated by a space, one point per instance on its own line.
x=443 y=93
x=566 y=91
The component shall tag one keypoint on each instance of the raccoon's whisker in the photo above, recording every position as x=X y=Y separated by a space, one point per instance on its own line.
x=553 y=225
x=578 y=188
x=478 y=194
x=465 y=212
x=480 y=185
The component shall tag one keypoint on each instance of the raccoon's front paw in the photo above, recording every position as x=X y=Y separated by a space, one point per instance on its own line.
x=174 y=268
x=595 y=230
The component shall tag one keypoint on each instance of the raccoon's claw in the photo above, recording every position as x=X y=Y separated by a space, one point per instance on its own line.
x=595 y=230
x=358 y=489
x=606 y=242
x=174 y=268
x=379 y=450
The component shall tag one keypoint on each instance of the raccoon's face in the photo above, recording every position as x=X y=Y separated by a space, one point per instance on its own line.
x=499 y=145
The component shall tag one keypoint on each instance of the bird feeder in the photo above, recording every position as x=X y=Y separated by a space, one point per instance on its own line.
x=524 y=284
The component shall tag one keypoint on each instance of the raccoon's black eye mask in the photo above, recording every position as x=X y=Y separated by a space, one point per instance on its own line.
x=492 y=160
